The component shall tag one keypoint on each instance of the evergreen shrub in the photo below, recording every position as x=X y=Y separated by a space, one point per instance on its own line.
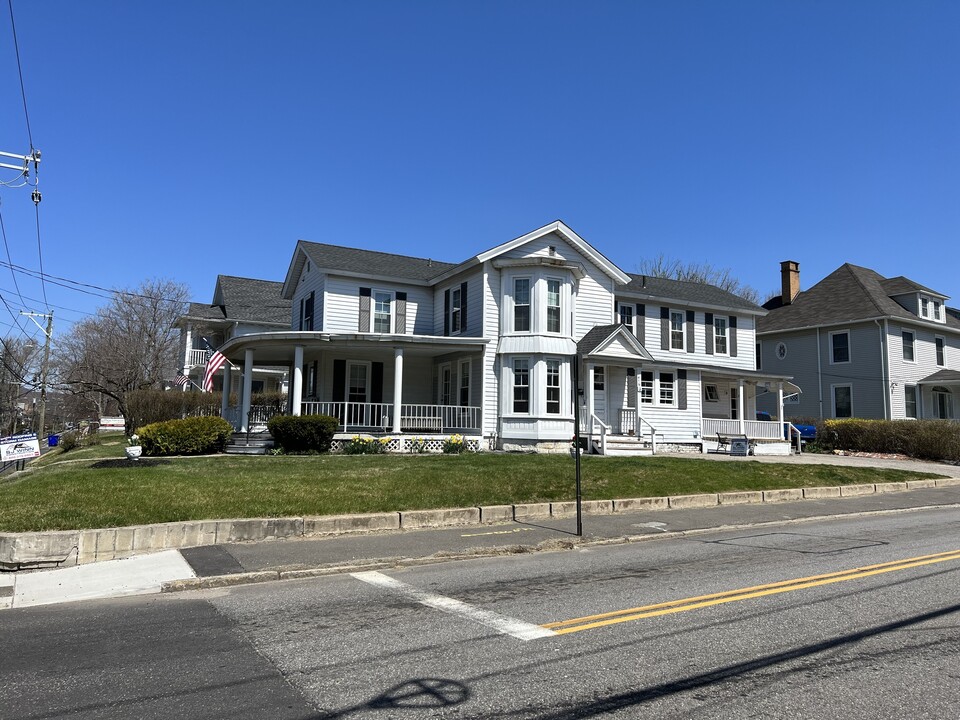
x=303 y=433
x=923 y=439
x=189 y=436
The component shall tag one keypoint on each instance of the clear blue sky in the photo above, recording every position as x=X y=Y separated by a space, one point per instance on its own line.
x=186 y=139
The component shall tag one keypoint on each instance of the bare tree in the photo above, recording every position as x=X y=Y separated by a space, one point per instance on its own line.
x=18 y=368
x=665 y=267
x=130 y=344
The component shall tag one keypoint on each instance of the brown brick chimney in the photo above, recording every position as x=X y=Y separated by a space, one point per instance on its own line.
x=789 y=281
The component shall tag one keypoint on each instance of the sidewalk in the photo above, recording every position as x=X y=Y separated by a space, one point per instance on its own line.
x=243 y=563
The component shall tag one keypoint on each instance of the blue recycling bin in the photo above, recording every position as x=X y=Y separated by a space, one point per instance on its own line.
x=53 y=440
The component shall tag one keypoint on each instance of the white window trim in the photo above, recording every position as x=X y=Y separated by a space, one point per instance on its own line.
x=903 y=346
x=653 y=387
x=936 y=359
x=916 y=401
x=458 y=308
x=726 y=335
x=711 y=389
x=440 y=370
x=600 y=375
x=657 y=381
x=683 y=331
x=849 y=347
x=531 y=292
x=547 y=306
x=531 y=366
x=833 y=398
x=373 y=310
x=631 y=308
x=351 y=363
x=560 y=386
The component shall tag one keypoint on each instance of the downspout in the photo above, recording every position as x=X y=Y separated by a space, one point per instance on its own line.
x=884 y=369
x=819 y=376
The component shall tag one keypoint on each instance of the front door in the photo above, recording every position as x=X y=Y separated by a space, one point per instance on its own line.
x=734 y=404
x=942 y=405
x=358 y=393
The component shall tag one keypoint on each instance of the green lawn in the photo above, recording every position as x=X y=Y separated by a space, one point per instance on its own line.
x=114 y=492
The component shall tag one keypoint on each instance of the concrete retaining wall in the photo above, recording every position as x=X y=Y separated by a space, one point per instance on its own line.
x=77 y=547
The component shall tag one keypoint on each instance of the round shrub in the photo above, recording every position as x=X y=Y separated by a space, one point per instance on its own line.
x=189 y=436
x=68 y=441
x=303 y=433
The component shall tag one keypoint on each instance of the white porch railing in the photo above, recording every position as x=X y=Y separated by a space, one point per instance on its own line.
x=753 y=429
x=197 y=357
x=628 y=421
x=413 y=417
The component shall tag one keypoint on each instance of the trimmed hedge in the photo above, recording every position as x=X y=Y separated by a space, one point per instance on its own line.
x=923 y=439
x=303 y=433
x=190 y=436
x=145 y=407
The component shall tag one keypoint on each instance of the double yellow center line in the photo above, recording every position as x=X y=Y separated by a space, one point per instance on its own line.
x=702 y=601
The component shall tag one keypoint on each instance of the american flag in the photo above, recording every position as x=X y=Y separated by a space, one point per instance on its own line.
x=214 y=363
x=181 y=380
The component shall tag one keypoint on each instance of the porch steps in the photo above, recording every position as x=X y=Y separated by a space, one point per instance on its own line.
x=259 y=443
x=624 y=445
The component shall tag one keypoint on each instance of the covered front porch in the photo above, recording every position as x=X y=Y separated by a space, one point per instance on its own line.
x=371 y=383
x=938 y=397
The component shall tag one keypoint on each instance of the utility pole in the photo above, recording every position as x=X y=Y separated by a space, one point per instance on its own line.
x=45 y=365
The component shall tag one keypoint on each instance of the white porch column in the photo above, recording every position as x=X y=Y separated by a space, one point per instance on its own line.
x=780 y=416
x=588 y=423
x=186 y=354
x=397 y=387
x=296 y=394
x=225 y=400
x=247 y=389
x=740 y=406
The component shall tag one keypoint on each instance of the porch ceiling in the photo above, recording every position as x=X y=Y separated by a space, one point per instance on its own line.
x=278 y=347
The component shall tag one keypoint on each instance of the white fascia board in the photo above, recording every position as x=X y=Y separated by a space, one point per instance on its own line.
x=298 y=337
x=570 y=236
x=456 y=270
x=926 y=324
x=293 y=271
x=622 y=332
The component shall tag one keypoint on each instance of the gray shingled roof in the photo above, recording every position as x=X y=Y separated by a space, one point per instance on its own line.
x=901 y=285
x=695 y=293
x=848 y=294
x=204 y=312
x=596 y=335
x=250 y=300
x=372 y=262
x=943 y=376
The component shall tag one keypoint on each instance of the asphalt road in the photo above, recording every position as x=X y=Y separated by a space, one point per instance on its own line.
x=770 y=622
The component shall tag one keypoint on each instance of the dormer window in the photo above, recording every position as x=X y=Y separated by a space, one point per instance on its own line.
x=931 y=309
x=924 y=307
x=936 y=310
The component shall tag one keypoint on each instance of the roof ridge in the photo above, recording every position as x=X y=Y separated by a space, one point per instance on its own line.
x=863 y=287
x=379 y=252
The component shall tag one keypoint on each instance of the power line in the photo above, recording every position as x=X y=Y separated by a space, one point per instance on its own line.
x=23 y=94
x=57 y=280
x=43 y=284
x=7 y=246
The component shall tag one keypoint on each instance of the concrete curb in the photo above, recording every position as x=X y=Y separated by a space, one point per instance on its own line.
x=79 y=547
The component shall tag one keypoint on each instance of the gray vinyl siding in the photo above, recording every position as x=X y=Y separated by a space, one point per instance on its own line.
x=904 y=373
x=475 y=303
x=314 y=282
x=746 y=342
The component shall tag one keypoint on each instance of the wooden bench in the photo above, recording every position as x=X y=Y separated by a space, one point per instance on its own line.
x=418 y=423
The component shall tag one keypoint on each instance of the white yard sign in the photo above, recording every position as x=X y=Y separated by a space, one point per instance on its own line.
x=19 y=447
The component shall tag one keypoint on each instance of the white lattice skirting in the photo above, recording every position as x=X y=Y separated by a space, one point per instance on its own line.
x=409 y=444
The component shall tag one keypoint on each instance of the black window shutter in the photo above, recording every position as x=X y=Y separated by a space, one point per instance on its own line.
x=664 y=328
x=708 y=327
x=376 y=382
x=309 y=311
x=733 y=336
x=301 y=315
x=363 y=323
x=691 y=328
x=400 y=324
x=641 y=323
x=463 y=308
x=446 y=312
x=681 y=389
x=339 y=380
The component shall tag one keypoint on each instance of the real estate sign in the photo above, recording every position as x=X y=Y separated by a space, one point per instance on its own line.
x=19 y=447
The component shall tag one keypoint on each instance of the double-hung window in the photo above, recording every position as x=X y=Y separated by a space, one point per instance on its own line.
x=464 y=382
x=666 y=388
x=924 y=307
x=553 y=387
x=646 y=387
x=839 y=347
x=842 y=401
x=521 y=305
x=626 y=315
x=909 y=351
x=936 y=309
x=553 y=305
x=719 y=335
x=446 y=384
x=676 y=330
x=521 y=385
x=382 y=311
x=941 y=351
x=455 y=310
x=599 y=374
x=910 y=400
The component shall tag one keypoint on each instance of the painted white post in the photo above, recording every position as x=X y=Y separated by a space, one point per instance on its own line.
x=740 y=406
x=186 y=354
x=397 y=387
x=247 y=389
x=780 y=416
x=225 y=400
x=297 y=392
x=588 y=420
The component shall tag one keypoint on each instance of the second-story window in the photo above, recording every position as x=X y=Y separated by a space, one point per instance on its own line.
x=626 y=315
x=676 y=330
x=941 y=351
x=719 y=335
x=924 y=307
x=521 y=305
x=936 y=310
x=908 y=343
x=839 y=347
x=381 y=311
x=455 y=314
x=553 y=306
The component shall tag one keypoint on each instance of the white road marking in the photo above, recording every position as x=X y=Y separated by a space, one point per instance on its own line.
x=501 y=623
x=661 y=527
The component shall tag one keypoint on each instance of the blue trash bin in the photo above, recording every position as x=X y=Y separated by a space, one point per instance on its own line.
x=53 y=441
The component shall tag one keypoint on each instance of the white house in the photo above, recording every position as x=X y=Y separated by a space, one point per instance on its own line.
x=862 y=345
x=488 y=348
